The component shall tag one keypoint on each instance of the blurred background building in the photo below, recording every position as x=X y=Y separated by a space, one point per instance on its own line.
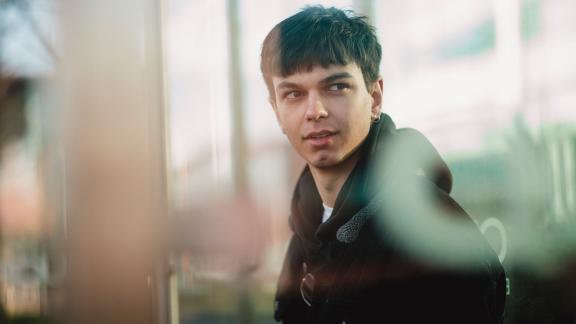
x=144 y=179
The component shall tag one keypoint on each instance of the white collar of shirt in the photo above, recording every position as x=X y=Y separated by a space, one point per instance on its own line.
x=327 y=212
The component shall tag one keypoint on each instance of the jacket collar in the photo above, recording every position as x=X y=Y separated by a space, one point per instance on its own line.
x=356 y=200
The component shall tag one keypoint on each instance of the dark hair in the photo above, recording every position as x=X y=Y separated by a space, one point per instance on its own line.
x=320 y=36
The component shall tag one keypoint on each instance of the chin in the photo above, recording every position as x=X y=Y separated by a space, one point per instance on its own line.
x=327 y=160
x=323 y=162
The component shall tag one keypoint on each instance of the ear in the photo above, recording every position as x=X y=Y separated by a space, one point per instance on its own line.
x=272 y=102
x=376 y=94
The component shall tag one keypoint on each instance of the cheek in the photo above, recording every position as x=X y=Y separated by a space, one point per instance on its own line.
x=361 y=111
x=289 y=125
x=360 y=118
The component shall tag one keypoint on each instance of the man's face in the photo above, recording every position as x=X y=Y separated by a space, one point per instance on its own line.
x=326 y=113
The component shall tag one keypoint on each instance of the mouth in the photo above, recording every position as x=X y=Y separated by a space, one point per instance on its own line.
x=319 y=134
x=320 y=139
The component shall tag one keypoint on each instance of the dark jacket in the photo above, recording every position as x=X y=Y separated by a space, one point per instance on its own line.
x=354 y=269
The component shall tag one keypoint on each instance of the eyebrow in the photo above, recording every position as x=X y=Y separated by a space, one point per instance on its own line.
x=336 y=76
x=287 y=85
x=328 y=79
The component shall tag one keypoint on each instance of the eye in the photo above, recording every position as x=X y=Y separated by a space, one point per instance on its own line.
x=338 y=87
x=293 y=94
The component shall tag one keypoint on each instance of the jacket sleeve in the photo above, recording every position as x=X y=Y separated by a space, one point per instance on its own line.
x=288 y=304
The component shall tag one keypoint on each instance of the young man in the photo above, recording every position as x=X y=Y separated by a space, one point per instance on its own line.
x=344 y=263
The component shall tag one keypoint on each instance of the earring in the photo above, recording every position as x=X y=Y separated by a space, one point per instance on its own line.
x=376 y=119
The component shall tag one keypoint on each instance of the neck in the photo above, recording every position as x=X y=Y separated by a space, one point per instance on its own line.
x=329 y=181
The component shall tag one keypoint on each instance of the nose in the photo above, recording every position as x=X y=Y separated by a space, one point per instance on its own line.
x=315 y=108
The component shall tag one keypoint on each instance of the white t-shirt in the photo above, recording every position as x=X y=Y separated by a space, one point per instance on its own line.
x=327 y=212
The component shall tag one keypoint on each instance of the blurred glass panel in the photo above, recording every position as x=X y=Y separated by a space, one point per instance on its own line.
x=41 y=247
x=198 y=92
x=492 y=85
x=27 y=36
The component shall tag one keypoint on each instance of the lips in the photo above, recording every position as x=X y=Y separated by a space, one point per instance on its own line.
x=319 y=134
x=320 y=138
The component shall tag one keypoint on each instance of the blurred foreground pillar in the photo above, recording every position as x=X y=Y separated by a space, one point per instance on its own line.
x=113 y=128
